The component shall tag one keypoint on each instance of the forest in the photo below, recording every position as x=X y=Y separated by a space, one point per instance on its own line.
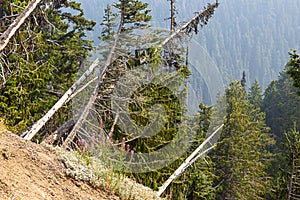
x=193 y=99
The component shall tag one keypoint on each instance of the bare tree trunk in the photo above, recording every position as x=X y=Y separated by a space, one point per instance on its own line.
x=204 y=15
x=10 y=32
x=172 y=17
x=41 y=122
x=93 y=98
x=192 y=158
x=191 y=25
x=56 y=135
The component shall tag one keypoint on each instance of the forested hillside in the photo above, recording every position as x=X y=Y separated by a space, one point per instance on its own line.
x=193 y=99
x=254 y=36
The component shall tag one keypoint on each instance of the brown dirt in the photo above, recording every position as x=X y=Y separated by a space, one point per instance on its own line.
x=29 y=171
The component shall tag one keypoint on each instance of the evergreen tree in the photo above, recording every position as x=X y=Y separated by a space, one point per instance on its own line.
x=41 y=61
x=108 y=23
x=200 y=176
x=243 y=81
x=287 y=181
x=134 y=13
x=255 y=95
x=281 y=105
x=293 y=68
x=241 y=154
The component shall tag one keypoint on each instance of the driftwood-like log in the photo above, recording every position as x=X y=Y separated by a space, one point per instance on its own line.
x=41 y=122
x=189 y=161
x=10 y=32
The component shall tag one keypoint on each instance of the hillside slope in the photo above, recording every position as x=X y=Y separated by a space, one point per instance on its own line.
x=31 y=171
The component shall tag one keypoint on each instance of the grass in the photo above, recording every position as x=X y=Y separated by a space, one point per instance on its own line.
x=93 y=172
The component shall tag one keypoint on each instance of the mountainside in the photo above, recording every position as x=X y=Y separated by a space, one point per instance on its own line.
x=32 y=172
x=252 y=36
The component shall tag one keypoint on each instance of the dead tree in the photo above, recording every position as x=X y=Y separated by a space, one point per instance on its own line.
x=198 y=153
x=172 y=17
x=191 y=26
x=93 y=98
x=10 y=32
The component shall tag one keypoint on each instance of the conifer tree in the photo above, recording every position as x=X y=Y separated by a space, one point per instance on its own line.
x=108 y=23
x=134 y=13
x=243 y=81
x=293 y=68
x=286 y=183
x=255 y=95
x=281 y=105
x=41 y=61
x=200 y=176
x=241 y=154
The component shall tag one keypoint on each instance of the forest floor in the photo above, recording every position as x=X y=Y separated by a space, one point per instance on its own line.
x=32 y=171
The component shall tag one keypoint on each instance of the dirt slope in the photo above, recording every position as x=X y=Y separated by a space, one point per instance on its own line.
x=29 y=171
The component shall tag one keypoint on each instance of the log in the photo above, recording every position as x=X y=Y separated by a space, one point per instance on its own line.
x=92 y=99
x=41 y=122
x=189 y=161
x=10 y=32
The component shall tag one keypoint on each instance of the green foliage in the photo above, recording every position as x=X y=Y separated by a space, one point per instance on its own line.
x=255 y=95
x=134 y=13
x=241 y=154
x=281 y=105
x=293 y=68
x=108 y=23
x=286 y=184
x=200 y=175
x=41 y=62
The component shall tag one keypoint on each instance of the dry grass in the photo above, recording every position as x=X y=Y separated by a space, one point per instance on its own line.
x=97 y=175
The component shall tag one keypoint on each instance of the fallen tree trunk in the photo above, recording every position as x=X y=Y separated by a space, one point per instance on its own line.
x=189 y=161
x=200 y=19
x=10 y=32
x=56 y=135
x=41 y=122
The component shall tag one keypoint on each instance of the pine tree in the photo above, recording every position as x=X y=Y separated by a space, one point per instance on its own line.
x=255 y=95
x=134 y=13
x=281 y=105
x=41 y=61
x=108 y=23
x=241 y=154
x=243 y=81
x=200 y=176
x=293 y=68
x=287 y=181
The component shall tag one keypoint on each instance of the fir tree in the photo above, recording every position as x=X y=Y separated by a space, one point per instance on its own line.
x=108 y=23
x=293 y=68
x=281 y=105
x=241 y=154
x=286 y=183
x=243 y=81
x=134 y=13
x=255 y=95
x=41 y=61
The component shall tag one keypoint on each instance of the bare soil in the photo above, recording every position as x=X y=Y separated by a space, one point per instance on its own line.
x=30 y=171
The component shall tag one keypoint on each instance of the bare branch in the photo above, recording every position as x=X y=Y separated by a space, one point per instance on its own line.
x=10 y=32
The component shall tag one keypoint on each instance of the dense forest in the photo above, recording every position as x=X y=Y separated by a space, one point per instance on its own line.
x=252 y=36
x=170 y=77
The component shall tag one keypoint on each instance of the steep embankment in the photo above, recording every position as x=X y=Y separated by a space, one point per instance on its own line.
x=29 y=171
x=32 y=171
